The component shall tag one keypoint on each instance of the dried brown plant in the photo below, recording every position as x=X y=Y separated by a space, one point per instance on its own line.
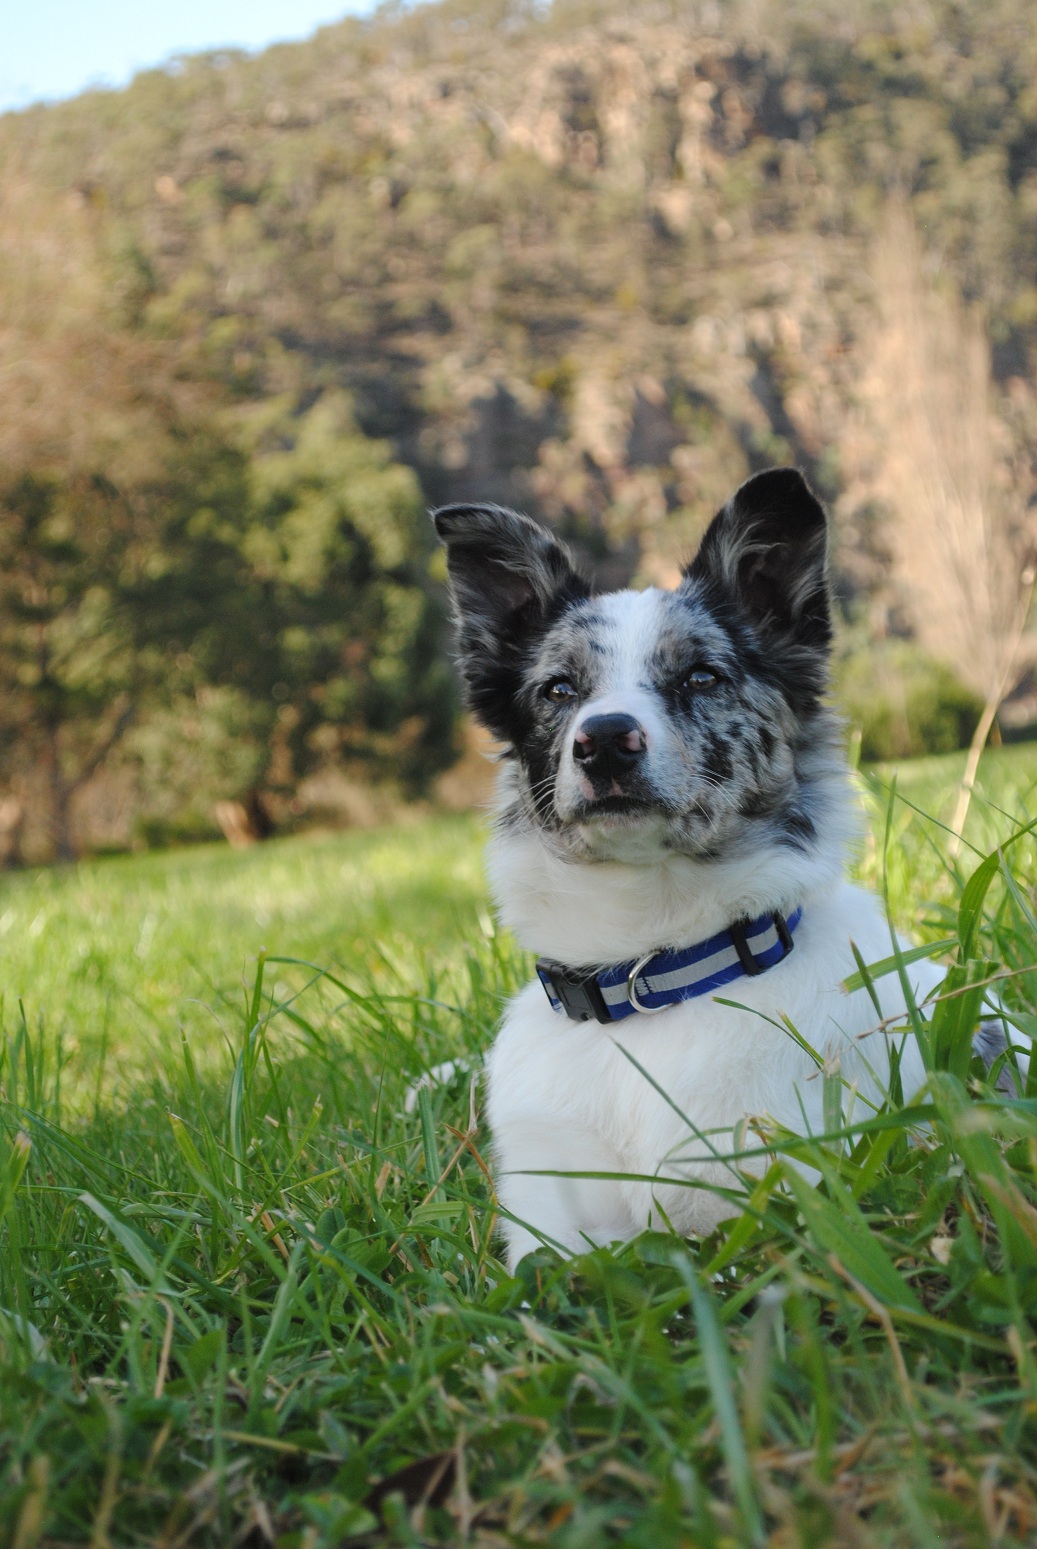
x=961 y=541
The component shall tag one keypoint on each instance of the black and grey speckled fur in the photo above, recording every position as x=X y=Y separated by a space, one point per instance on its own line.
x=727 y=672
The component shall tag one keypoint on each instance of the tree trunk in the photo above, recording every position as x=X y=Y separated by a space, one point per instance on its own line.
x=60 y=793
x=12 y=824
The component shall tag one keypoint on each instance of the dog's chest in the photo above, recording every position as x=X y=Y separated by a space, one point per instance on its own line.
x=648 y=1083
x=643 y=1082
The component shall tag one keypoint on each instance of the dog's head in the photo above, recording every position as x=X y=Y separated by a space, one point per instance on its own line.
x=635 y=721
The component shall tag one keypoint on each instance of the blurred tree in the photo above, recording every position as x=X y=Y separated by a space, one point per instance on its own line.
x=69 y=679
x=256 y=613
x=294 y=580
x=339 y=546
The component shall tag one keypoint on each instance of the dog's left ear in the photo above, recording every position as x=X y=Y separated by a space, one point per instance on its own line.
x=767 y=551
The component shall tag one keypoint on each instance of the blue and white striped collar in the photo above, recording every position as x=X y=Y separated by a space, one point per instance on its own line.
x=651 y=983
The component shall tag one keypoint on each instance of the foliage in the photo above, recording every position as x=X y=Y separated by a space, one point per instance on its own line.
x=287 y=582
x=250 y=1289
x=259 y=606
x=68 y=675
x=904 y=703
x=339 y=546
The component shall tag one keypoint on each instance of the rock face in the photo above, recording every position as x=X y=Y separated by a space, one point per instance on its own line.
x=651 y=269
x=677 y=336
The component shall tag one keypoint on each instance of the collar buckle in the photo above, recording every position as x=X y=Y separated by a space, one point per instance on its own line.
x=578 y=995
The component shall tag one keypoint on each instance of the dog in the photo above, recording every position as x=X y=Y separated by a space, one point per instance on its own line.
x=672 y=827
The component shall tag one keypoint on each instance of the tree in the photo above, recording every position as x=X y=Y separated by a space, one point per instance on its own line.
x=68 y=675
x=339 y=547
x=289 y=573
x=258 y=609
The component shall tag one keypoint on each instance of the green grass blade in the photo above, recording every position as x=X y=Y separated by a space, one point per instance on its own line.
x=720 y=1377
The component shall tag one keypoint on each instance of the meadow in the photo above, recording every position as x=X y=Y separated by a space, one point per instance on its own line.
x=249 y=1284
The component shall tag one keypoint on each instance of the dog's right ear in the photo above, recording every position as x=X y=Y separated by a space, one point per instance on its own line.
x=509 y=579
x=508 y=576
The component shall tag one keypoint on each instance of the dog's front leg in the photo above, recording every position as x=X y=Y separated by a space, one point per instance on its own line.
x=538 y=1184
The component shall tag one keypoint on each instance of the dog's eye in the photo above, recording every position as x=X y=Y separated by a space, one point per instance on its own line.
x=699 y=679
x=560 y=691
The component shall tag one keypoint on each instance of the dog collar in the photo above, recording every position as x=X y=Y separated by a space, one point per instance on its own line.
x=660 y=979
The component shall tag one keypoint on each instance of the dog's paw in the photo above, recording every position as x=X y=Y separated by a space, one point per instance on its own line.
x=439 y=1075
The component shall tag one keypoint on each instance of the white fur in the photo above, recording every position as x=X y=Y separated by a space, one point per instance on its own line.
x=637 y=896
x=564 y=1097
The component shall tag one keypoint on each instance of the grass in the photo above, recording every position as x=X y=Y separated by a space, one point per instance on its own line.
x=118 y=954
x=249 y=1298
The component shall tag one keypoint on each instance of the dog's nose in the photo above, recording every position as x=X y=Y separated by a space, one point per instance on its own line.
x=615 y=740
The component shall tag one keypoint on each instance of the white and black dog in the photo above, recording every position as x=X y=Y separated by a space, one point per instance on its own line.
x=673 y=822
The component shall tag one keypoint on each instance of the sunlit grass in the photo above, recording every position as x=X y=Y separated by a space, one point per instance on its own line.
x=250 y=1294
x=114 y=955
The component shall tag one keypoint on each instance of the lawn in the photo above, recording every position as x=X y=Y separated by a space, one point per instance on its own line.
x=117 y=956
x=249 y=1293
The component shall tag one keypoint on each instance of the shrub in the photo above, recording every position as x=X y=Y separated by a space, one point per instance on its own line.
x=905 y=703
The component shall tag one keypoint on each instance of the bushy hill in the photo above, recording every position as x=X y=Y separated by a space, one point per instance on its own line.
x=596 y=261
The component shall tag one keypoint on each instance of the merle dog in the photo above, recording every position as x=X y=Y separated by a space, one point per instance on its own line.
x=673 y=821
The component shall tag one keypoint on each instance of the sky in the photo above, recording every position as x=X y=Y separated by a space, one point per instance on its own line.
x=56 y=48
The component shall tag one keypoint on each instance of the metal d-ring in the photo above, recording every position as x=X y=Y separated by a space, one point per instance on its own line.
x=646 y=1011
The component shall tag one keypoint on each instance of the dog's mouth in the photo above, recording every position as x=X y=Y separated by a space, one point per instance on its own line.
x=617 y=809
x=620 y=828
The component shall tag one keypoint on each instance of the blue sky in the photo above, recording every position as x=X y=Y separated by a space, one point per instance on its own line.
x=55 y=48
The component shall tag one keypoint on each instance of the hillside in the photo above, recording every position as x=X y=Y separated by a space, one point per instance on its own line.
x=598 y=262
